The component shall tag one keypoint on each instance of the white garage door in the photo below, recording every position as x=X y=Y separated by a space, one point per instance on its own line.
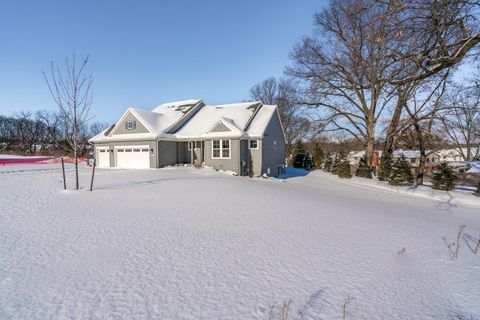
x=133 y=157
x=103 y=158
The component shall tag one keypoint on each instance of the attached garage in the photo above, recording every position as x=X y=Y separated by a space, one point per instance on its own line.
x=103 y=157
x=132 y=157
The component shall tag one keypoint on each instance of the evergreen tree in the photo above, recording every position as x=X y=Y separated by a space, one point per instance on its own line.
x=444 y=178
x=385 y=167
x=298 y=154
x=328 y=162
x=318 y=156
x=308 y=162
x=400 y=173
x=335 y=162
x=343 y=169
x=363 y=168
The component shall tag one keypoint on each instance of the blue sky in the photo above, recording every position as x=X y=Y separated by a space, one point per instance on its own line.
x=144 y=53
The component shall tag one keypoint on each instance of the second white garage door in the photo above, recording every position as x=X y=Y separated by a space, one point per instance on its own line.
x=133 y=157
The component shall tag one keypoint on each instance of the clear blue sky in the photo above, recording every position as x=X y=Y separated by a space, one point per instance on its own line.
x=144 y=53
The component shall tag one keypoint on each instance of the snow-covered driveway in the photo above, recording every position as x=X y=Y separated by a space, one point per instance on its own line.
x=183 y=243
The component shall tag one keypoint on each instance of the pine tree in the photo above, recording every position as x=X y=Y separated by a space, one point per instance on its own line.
x=308 y=162
x=363 y=168
x=328 y=162
x=400 y=173
x=318 y=156
x=335 y=163
x=444 y=178
x=385 y=167
x=298 y=154
x=343 y=169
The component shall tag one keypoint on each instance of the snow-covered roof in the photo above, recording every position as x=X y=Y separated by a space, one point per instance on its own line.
x=176 y=106
x=238 y=114
x=191 y=119
x=257 y=127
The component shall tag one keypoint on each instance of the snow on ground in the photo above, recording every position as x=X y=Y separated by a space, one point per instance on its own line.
x=462 y=195
x=185 y=243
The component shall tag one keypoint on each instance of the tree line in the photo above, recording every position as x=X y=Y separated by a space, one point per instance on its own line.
x=386 y=74
x=43 y=130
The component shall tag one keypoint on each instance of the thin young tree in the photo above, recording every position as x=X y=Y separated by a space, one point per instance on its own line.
x=71 y=90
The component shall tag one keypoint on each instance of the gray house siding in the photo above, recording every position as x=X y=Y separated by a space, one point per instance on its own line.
x=256 y=155
x=232 y=164
x=220 y=127
x=273 y=157
x=183 y=154
x=113 y=154
x=167 y=153
x=122 y=128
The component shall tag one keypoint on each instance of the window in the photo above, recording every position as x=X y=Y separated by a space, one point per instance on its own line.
x=130 y=125
x=225 y=148
x=413 y=160
x=221 y=149
x=275 y=145
x=253 y=144
x=198 y=144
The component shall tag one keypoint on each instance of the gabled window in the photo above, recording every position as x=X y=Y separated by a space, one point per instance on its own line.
x=275 y=145
x=221 y=149
x=130 y=125
x=253 y=144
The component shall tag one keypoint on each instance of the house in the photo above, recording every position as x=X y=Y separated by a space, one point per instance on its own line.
x=224 y=137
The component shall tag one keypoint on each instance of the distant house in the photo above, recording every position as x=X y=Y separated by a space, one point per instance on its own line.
x=224 y=137
x=411 y=156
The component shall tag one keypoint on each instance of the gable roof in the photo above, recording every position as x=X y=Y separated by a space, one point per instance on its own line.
x=239 y=115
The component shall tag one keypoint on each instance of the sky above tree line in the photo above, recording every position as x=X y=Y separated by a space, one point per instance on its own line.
x=143 y=53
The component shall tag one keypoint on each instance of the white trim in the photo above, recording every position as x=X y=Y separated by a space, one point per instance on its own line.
x=221 y=149
x=249 y=144
x=131 y=122
x=132 y=111
x=132 y=146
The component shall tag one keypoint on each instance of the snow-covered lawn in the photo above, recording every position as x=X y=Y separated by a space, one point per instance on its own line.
x=183 y=243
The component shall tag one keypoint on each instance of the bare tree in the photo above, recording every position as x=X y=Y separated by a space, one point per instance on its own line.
x=283 y=93
x=342 y=67
x=71 y=91
x=461 y=120
x=435 y=35
x=422 y=110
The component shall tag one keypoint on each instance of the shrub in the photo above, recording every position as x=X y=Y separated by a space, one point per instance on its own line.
x=343 y=169
x=308 y=162
x=400 y=173
x=328 y=163
x=385 y=167
x=363 y=168
x=444 y=178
